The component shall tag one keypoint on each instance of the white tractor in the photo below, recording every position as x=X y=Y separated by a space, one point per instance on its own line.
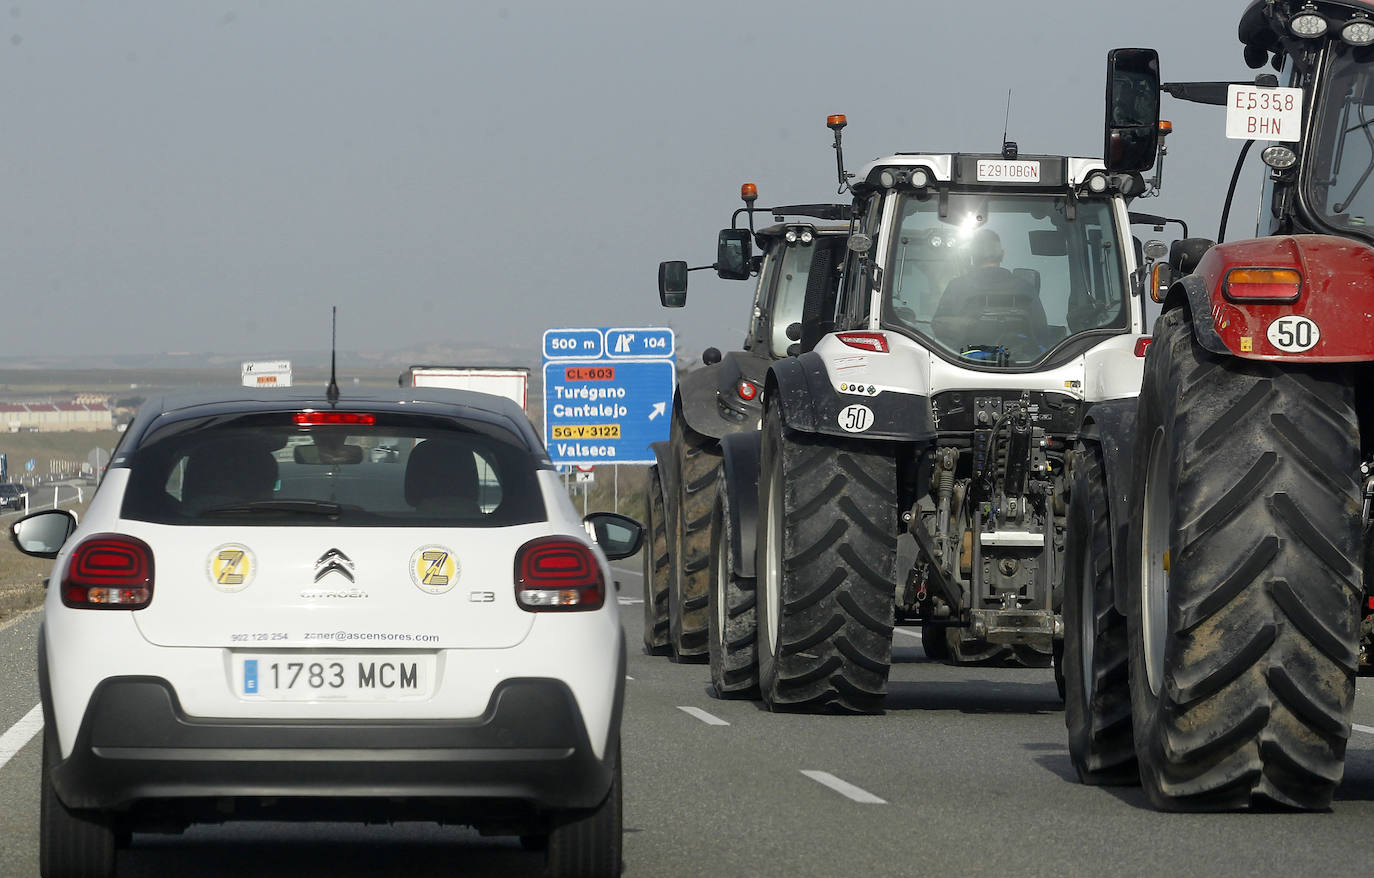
x=989 y=317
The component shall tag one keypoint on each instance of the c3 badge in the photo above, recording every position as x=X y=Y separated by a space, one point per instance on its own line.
x=434 y=569
x=231 y=567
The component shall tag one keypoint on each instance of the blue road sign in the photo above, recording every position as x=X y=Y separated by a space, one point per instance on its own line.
x=574 y=344
x=639 y=343
x=29 y=465
x=610 y=407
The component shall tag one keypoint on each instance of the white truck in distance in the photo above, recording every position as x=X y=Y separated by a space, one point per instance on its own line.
x=511 y=382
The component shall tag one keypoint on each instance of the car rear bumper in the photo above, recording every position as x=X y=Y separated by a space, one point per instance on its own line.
x=530 y=748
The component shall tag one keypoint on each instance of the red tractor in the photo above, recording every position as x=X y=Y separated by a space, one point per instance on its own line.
x=1215 y=597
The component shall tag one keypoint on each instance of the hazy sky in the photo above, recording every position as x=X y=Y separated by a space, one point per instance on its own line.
x=210 y=177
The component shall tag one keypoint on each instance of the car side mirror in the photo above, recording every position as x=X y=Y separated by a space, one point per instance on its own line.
x=672 y=283
x=1131 y=126
x=619 y=536
x=42 y=534
x=734 y=252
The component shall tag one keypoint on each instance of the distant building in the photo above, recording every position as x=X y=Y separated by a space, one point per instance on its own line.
x=49 y=417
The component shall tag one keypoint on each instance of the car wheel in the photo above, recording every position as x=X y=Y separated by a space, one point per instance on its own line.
x=588 y=846
x=71 y=844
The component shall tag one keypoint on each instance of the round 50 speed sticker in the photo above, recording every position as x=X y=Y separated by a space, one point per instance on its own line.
x=1293 y=334
x=855 y=418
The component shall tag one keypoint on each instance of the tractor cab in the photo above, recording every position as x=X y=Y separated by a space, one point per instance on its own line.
x=1313 y=110
x=994 y=261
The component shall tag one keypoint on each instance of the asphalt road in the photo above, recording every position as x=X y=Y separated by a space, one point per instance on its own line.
x=966 y=774
x=49 y=496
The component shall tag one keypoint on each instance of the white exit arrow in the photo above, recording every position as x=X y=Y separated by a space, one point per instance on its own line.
x=659 y=409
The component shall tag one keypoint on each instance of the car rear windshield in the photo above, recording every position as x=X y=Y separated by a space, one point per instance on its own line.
x=397 y=471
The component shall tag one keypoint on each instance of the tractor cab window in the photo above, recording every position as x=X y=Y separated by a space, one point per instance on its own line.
x=758 y=309
x=1003 y=279
x=851 y=308
x=1340 y=190
x=790 y=293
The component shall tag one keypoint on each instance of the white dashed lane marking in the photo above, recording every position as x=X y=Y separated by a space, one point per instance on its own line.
x=844 y=788
x=1368 y=730
x=907 y=633
x=709 y=719
x=19 y=734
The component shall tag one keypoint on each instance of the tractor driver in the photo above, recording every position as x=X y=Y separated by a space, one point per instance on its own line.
x=988 y=305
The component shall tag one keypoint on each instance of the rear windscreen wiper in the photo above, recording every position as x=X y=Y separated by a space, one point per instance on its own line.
x=303 y=507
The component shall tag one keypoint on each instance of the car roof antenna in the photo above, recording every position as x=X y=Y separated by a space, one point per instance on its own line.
x=331 y=392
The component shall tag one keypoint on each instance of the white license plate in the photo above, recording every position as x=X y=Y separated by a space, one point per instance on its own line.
x=317 y=676
x=1008 y=171
x=1254 y=113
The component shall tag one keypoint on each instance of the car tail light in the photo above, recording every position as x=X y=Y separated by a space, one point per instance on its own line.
x=556 y=573
x=1142 y=345
x=1279 y=285
x=873 y=342
x=109 y=572
x=747 y=390
x=329 y=419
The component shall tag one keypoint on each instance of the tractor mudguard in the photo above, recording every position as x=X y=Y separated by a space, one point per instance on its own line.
x=1111 y=426
x=800 y=386
x=708 y=401
x=740 y=452
x=1324 y=319
x=1192 y=289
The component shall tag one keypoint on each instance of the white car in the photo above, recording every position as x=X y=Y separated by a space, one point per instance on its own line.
x=256 y=620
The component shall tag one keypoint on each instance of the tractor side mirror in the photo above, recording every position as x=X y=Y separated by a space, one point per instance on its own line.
x=1185 y=254
x=672 y=284
x=1132 y=118
x=734 y=251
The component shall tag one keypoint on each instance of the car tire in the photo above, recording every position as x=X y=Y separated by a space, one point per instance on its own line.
x=1243 y=578
x=71 y=844
x=589 y=844
x=656 y=573
x=1095 y=657
x=733 y=634
x=826 y=552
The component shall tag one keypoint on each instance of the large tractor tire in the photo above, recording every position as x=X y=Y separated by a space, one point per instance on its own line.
x=827 y=548
x=656 y=573
x=934 y=644
x=698 y=466
x=1243 y=578
x=733 y=654
x=1096 y=659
